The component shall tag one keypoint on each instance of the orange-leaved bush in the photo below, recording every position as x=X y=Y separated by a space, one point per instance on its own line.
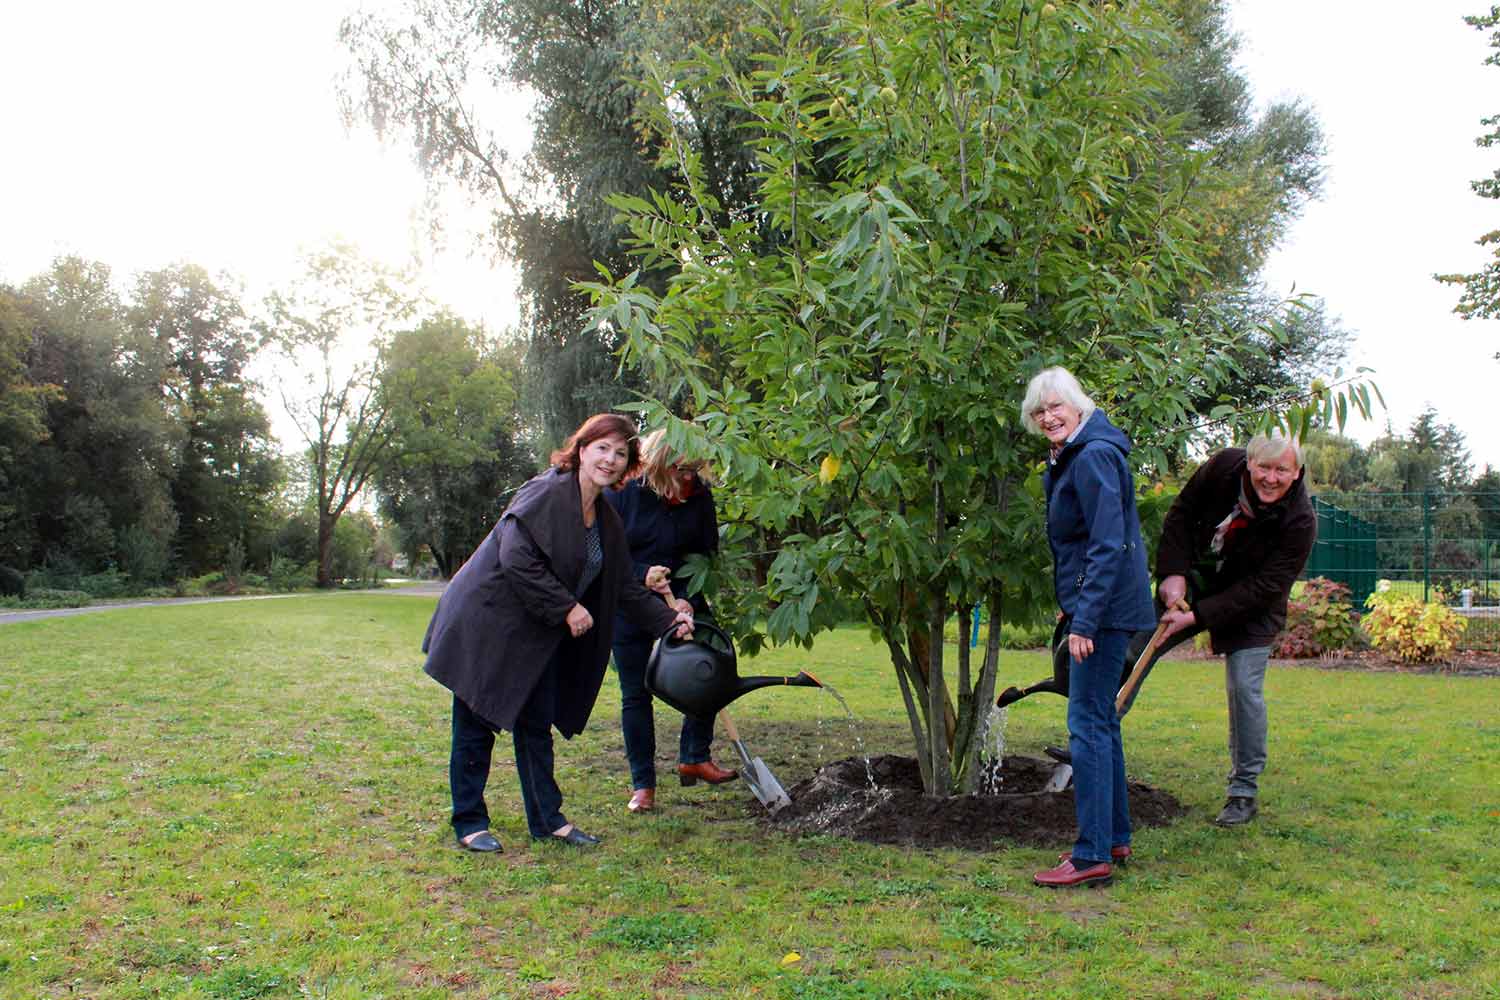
x=1411 y=630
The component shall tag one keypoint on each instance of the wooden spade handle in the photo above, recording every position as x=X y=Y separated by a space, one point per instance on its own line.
x=1139 y=670
x=729 y=730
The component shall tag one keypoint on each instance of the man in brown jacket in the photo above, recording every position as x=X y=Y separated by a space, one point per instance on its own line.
x=1233 y=543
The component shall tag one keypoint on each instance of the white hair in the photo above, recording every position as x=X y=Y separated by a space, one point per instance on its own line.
x=1054 y=383
x=1270 y=447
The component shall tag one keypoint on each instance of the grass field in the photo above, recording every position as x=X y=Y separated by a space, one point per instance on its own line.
x=249 y=800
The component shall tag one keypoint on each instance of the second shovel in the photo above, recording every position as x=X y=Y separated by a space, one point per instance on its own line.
x=755 y=772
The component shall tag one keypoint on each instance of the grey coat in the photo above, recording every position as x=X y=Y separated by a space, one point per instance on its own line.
x=502 y=619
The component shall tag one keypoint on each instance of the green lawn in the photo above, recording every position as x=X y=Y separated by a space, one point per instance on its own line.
x=249 y=799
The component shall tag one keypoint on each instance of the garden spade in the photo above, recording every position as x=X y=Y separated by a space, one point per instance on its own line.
x=755 y=772
x=1138 y=672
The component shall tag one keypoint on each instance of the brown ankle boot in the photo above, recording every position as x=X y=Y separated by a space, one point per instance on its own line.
x=642 y=800
x=708 y=771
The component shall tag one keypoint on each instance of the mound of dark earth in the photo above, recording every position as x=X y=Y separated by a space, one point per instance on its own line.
x=839 y=800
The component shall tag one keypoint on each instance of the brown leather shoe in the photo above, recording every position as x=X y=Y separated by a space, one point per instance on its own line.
x=642 y=800
x=1065 y=876
x=708 y=771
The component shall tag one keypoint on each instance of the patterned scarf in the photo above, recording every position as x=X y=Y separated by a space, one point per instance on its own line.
x=1242 y=514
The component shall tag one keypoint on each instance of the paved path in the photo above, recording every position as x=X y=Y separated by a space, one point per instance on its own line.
x=422 y=588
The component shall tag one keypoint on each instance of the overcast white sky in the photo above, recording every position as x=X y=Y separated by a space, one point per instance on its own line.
x=1400 y=89
x=143 y=134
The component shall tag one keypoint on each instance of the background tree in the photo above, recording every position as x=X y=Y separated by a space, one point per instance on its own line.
x=1431 y=456
x=227 y=470
x=428 y=78
x=1335 y=463
x=23 y=411
x=1485 y=494
x=1481 y=290
x=110 y=447
x=329 y=327
x=457 y=437
x=962 y=193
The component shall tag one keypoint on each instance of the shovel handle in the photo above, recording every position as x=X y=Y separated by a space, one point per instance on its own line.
x=1139 y=670
x=729 y=729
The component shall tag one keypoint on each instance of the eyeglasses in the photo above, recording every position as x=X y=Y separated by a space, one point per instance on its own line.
x=1056 y=406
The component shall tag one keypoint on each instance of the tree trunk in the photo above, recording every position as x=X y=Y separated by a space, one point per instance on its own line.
x=326 y=523
x=984 y=698
x=444 y=562
x=941 y=740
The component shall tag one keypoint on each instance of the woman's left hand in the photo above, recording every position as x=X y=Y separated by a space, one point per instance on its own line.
x=681 y=606
x=1080 y=647
x=684 y=626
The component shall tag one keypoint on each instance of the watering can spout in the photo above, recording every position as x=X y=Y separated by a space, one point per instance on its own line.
x=699 y=678
x=748 y=684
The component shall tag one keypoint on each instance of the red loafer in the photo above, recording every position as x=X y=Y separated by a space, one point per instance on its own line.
x=642 y=800
x=691 y=774
x=1065 y=876
x=1119 y=854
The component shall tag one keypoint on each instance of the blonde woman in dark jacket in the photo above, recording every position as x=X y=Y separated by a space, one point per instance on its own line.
x=668 y=514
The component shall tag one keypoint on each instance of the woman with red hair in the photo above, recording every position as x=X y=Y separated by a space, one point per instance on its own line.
x=522 y=634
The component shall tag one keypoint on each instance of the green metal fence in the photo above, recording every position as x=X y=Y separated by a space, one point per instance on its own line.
x=1438 y=546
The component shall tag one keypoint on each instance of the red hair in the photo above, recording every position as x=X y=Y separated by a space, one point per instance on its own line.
x=600 y=425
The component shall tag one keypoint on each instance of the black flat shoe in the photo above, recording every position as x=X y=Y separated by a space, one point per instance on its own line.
x=482 y=842
x=573 y=838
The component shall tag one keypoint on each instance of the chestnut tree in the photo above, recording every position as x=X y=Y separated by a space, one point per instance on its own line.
x=950 y=195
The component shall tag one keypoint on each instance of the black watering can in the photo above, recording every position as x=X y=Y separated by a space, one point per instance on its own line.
x=698 y=678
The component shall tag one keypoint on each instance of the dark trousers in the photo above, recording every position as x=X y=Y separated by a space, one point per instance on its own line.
x=469 y=763
x=638 y=720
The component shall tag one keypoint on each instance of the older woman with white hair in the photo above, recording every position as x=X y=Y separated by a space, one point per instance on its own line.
x=1104 y=591
x=1232 y=545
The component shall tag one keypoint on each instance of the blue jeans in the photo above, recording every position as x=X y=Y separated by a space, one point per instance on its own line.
x=1245 y=686
x=638 y=721
x=1099 y=792
x=469 y=763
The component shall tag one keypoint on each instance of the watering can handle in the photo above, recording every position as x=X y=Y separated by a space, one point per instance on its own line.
x=701 y=623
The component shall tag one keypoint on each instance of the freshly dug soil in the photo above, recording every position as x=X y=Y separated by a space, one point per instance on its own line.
x=839 y=800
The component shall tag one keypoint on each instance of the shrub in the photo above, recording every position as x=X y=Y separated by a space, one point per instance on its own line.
x=145 y=556
x=60 y=571
x=1411 y=631
x=12 y=583
x=288 y=574
x=45 y=598
x=207 y=585
x=234 y=562
x=109 y=583
x=1319 y=620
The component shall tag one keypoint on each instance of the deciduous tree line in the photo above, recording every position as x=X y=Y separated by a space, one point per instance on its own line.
x=136 y=448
